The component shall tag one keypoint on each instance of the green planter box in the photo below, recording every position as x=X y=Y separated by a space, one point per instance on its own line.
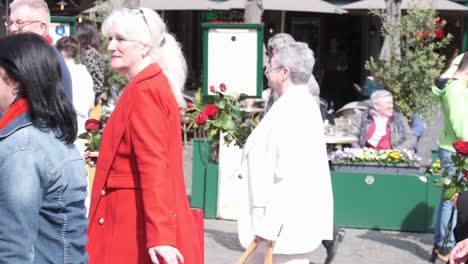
x=389 y=198
x=204 y=179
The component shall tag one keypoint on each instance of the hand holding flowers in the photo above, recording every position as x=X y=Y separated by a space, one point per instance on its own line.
x=453 y=183
x=93 y=136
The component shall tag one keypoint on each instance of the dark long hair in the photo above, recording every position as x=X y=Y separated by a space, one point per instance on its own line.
x=87 y=35
x=28 y=59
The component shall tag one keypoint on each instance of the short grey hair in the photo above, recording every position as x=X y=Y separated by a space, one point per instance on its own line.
x=40 y=7
x=380 y=94
x=279 y=41
x=299 y=59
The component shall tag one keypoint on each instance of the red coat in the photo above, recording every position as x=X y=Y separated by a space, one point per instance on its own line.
x=138 y=199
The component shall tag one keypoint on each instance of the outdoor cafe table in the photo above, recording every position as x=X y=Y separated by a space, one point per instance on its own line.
x=336 y=142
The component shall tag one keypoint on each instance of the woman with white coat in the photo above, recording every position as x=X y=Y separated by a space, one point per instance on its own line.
x=286 y=179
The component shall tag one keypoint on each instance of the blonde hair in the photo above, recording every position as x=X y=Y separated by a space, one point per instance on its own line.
x=39 y=6
x=148 y=27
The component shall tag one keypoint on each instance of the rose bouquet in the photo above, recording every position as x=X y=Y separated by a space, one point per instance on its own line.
x=380 y=157
x=93 y=136
x=455 y=183
x=221 y=114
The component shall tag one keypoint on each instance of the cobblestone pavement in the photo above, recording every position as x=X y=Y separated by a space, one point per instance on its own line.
x=360 y=246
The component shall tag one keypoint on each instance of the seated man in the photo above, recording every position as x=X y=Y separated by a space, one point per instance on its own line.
x=381 y=127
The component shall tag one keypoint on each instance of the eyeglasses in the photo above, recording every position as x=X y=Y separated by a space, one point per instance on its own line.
x=268 y=69
x=19 y=24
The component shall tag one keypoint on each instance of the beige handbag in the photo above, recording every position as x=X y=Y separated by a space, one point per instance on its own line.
x=247 y=255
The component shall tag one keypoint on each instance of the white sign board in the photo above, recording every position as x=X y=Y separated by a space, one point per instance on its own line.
x=233 y=56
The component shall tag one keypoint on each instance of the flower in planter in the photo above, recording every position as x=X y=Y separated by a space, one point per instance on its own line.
x=436 y=167
x=372 y=156
x=221 y=113
x=93 y=136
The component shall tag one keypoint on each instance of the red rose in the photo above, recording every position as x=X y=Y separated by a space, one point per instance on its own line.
x=439 y=33
x=222 y=87
x=201 y=118
x=461 y=147
x=426 y=33
x=92 y=125
x=211 y=110
x=190 y=105
x=466 y=175
x=212 y=89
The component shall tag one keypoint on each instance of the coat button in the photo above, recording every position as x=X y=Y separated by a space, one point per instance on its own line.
x=239 y=176
x=103 y=192
x=101 y=221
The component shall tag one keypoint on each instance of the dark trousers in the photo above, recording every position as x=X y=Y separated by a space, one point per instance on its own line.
x=327 y=243
x=461 y=229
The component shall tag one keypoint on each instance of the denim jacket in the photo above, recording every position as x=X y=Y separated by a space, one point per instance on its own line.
x=42 y=193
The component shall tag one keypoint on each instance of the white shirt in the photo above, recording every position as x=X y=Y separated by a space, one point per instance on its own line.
x=83 y=97
x=380 y=129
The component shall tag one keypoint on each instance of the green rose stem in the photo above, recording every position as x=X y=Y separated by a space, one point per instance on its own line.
x=449 y=228
x=235 y=139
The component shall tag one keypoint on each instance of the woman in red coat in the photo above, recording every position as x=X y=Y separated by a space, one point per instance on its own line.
x=139 y=211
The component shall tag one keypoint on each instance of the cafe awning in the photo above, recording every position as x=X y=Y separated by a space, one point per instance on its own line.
x=439 y=5
x=317 y=6
x=179 y=5
x=192 y=4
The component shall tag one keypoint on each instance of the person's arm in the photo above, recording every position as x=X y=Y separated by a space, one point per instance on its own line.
x=459 y=254
x=261 y=164
x=456 y=96
x=407 y=133
x=20 y=195
x=148 y=128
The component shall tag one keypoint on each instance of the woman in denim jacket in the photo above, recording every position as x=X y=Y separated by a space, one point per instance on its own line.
x=42 y=176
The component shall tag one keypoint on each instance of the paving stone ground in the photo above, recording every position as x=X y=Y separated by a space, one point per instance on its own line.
x=360 y=246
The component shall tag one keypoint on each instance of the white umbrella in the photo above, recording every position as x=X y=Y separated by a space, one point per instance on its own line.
x=440 y=5
x=391 y=45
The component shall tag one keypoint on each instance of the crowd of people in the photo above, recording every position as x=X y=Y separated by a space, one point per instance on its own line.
x=139 y=212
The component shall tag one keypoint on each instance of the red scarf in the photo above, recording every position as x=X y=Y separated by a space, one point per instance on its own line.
x=49 y=39
x=16 y=109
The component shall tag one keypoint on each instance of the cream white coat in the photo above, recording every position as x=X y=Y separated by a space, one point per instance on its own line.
x=286 y=187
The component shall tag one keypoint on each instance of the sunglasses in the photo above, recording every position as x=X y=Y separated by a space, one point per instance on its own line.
x=139 y=11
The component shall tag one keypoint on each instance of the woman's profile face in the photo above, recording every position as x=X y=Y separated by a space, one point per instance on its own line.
x=126 y=52
x=7 y=90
